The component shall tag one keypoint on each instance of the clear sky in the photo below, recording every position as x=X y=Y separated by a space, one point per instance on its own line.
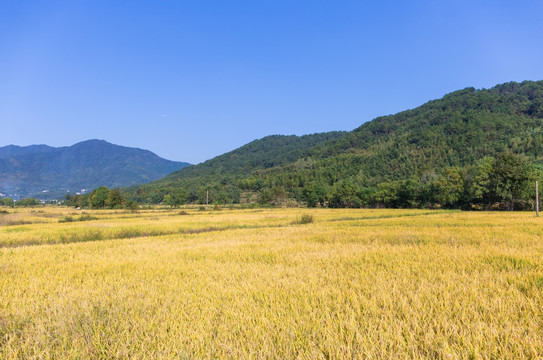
x=190 y=80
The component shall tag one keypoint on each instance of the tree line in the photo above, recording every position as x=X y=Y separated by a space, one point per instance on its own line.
x=26 y=202
x=101 y=198
x=503 y=182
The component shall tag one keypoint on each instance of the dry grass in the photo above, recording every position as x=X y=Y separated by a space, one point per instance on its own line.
x=255 y=284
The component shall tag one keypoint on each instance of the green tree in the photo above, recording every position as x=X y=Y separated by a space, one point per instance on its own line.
x=206 y=193
x=115 y=199
x=344 y=193
x=278 y=195
x=98 y=197
x=478 y=183
x=449 y=186
x=27 y=202
x=77 y=201
x=176 y=199
x=510 y=176
x=387 y=193
x=314 y=194
x=7 y=201
x=131 y=205
x=221 y=197
x=264 y=197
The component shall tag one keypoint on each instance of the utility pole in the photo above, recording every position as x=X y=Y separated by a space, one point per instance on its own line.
x=536 y=198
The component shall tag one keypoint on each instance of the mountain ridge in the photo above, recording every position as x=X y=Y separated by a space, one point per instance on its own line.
x=458 y=129
x=49 y=172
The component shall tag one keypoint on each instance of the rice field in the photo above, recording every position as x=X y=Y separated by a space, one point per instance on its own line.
x=261 y=283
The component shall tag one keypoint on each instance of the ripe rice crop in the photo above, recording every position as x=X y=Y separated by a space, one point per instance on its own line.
x=252 y=284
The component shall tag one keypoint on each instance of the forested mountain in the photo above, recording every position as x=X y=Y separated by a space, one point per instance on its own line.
x=454 y=137
x=29 y=171
x=226 y=170
x=456 y=130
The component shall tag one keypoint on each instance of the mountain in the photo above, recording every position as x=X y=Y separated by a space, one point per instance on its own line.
x=49 y=172
x=268 y=152
x=14 y=150
x=457 y=130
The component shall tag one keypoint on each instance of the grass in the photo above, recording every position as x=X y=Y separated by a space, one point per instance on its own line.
x=256 y=284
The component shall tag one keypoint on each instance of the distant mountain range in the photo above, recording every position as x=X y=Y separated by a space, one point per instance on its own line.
x=48 y=172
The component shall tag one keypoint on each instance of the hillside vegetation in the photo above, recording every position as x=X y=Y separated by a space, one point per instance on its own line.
x=223 y=173
x=459 y=136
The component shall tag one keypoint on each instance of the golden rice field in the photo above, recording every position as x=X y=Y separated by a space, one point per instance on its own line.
x=258 y=284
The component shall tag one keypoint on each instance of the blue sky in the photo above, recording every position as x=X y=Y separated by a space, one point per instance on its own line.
x=190 y=80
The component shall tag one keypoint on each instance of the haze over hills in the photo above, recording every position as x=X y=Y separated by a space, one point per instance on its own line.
x=48 y=172
x=456 y=130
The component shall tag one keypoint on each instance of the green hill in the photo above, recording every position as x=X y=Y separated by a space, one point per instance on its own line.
x=457 y=130
x=223 y=172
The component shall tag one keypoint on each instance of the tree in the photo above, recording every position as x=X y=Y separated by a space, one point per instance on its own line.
x=77 y=201
x=278 y=195
x=510 y=176
x=388 y=193
x=264 y=197
x=7 y=201
x=221 y=197
x=344 y=193
x=131 y=205
x=115 y=199
x=314 y=193
x=176 y=199
x=27 y=202
x=98 y=197
x=478 y=180
x=449 y=186
x=206 y=194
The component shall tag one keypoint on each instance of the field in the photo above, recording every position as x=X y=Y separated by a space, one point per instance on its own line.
x=252 y=284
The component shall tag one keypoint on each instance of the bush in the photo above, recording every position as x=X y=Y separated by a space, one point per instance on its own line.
x=27 y=202
x=131 y=205
x=83 y=217
x=306 y=219
x=292 y=204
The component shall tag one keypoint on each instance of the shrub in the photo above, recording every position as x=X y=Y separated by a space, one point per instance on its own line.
x=306 y=219
x=83 y=217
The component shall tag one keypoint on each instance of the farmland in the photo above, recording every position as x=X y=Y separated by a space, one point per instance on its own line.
x=261 y=283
